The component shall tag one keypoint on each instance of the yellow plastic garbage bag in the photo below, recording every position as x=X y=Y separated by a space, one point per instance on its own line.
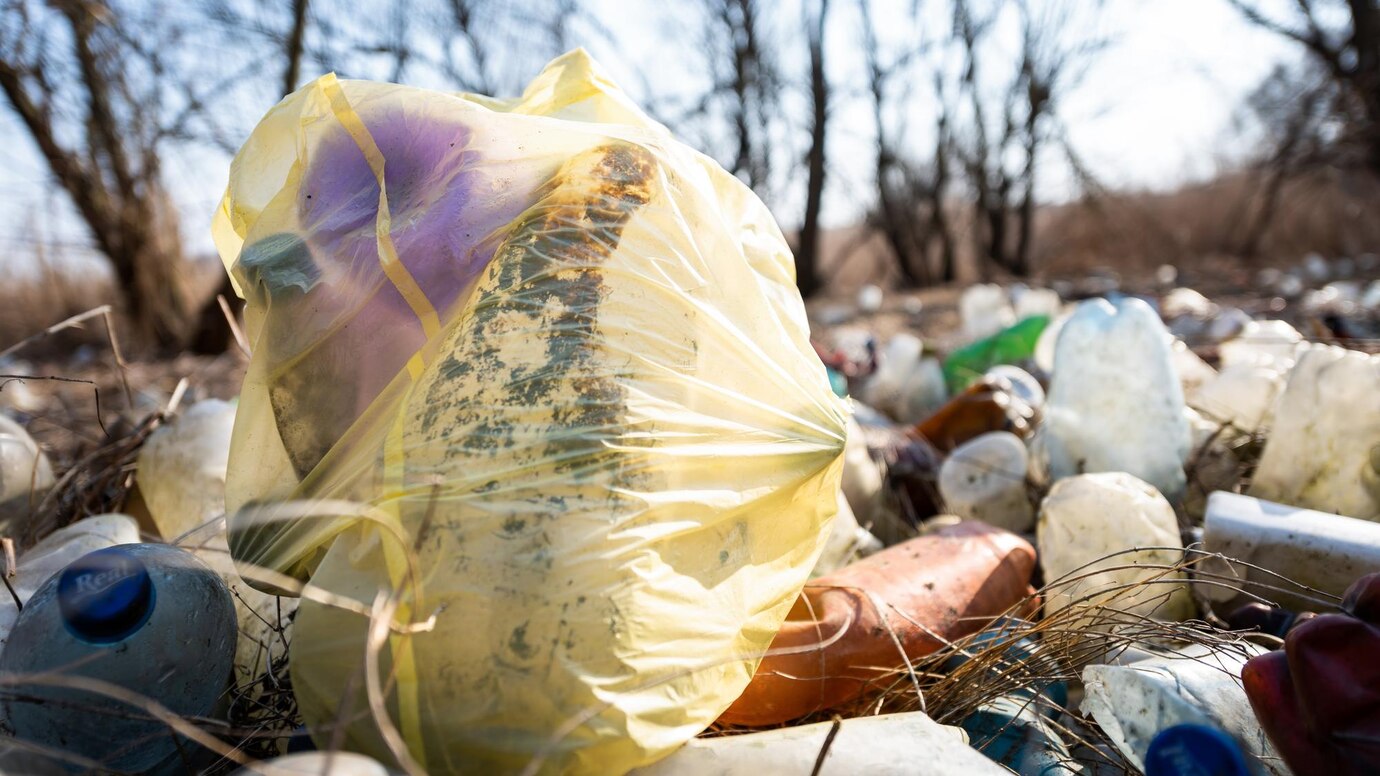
x=533 y=411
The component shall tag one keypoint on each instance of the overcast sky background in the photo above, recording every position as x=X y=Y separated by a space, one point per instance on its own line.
x=1155 y=111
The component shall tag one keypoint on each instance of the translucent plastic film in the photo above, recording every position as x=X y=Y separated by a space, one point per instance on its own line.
x=532 y=409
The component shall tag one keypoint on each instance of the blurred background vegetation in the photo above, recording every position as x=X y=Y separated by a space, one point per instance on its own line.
x=902 y=142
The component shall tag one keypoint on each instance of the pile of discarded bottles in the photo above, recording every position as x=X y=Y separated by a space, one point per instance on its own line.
x=1080 y=447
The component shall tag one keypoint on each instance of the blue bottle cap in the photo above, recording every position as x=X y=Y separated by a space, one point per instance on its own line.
x=105 y=595
x=1194 y=750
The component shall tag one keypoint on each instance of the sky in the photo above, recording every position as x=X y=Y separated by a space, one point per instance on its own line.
x=1155 y=110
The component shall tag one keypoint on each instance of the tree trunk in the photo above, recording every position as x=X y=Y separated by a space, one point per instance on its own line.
x=807 y=253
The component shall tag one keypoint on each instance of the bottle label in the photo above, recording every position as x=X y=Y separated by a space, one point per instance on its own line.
x=94 y=583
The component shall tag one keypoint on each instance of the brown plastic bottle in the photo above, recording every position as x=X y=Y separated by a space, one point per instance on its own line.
x=921 y=593
x=989 y=404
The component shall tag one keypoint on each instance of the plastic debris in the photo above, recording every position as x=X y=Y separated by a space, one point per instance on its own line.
x=55 y=552
x=579 y=422
x=1012 y=345
x=182 y=465
x=984 y=310
x=1115 y=403
x=181 y=473
x=985 y=479
x=907 y=386
x=847 y=543
x=25 y=473
x=1031 y=302
x=1023 y=384
x=317 y=764
x=870 y=298
x=1134 y=703
x=1242 y=395
x=1322 y=451
x=1322 y=551
x=909 y=744
x=905 y=602
x=1015 y=730
x=1273 y=344
x=1087 y=518
x=149 y=620
x=1186 y=301
x=862 y=477
x=1319 y=697
x=1214 y=464
x=1194 y=750
x=993 y=403
x=1193 y=371
x=1227 y=323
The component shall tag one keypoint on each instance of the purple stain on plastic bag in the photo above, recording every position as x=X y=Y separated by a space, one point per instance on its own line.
x=346 y=328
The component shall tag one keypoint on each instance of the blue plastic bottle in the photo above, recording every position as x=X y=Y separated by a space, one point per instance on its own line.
x=148 y=618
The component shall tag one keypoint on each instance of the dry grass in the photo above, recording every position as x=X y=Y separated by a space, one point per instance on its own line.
x=1197 y=227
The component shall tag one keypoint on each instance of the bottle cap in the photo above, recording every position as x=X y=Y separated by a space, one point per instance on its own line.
x=1194 y=750
x=105 y=595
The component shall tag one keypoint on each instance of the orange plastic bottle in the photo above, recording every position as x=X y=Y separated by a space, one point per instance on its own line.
x=843 y=631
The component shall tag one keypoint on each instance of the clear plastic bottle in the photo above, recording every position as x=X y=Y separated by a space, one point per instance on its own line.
x=114 y=632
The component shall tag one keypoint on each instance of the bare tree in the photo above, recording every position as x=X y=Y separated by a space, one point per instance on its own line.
x=1343 y=38
x=1001 y=152
x=745 y=82
x=1293 y=106
x=807 y=248
x=92 y=85
x=900 y=184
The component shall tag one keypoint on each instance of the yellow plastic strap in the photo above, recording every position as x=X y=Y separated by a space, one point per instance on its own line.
x=404 y=661
x=388 y=255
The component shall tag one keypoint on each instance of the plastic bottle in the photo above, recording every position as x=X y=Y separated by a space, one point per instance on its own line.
x=1263 y=343
x=848 y=541
x=906 y=385
x=1193 y=371
x=1023 y=384
x=1134 y=703
x=1319 y=697
x=1015 y=729
x=181 y=473
x=316 y=764
x=1323 y=551
x=149 y=619
x=848 y=626
x=1086 y=519
x=1011 y=345
x=1241 y=395
x=25 y=474
x=1037 y=301
x=985 y=479
x=1115 y=403
x=1320 y=453
x=993 y=403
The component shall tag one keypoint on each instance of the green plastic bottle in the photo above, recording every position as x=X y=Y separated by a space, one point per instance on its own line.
x=1009 y=346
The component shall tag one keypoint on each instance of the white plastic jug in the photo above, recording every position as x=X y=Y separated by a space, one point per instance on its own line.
x=1321 y=453
x=1115 y=403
